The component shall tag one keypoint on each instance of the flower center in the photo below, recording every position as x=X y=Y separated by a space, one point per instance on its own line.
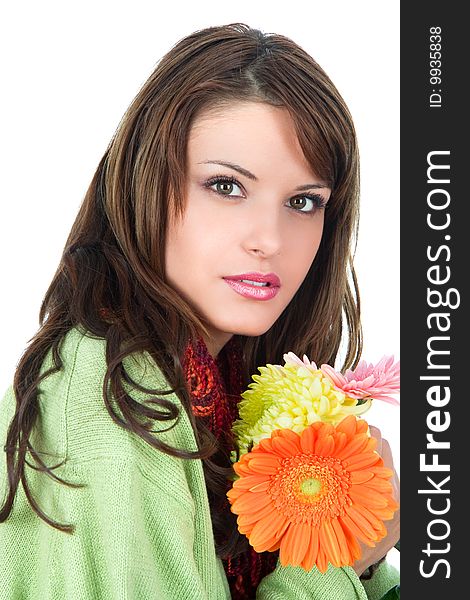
x=310 y=486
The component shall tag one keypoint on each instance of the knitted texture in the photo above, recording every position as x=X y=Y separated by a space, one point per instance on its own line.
x=215 y=386
x=143 y=528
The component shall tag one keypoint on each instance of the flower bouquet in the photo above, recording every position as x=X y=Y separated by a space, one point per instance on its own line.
x=309 y=480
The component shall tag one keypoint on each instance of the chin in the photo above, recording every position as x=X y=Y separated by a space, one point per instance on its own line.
x=252 y=331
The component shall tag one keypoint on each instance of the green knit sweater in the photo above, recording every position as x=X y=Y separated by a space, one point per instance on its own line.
x=142 y=523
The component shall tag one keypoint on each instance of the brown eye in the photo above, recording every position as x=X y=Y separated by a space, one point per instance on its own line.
x=299 y=202
x=303 y=204
x=309 y=202
x=224 y=187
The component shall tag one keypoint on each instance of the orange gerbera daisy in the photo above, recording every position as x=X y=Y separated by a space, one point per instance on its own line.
x=313 y=495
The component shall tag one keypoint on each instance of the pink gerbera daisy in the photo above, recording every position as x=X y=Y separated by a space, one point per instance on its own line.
x=293 y=359
x=368 y=380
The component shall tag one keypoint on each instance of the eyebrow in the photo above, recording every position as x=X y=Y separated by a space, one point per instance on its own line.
x=250 y=175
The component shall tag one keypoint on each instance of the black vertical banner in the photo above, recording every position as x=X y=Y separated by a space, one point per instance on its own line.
x=435 y=254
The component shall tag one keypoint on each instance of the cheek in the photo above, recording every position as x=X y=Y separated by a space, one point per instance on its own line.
x=193 y=243
x=177 y=251
x=208 y=232
x=303 y=247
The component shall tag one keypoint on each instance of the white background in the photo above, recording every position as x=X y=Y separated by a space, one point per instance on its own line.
x=69 y=71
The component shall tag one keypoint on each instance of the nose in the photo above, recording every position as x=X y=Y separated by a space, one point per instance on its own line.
x=262 y=231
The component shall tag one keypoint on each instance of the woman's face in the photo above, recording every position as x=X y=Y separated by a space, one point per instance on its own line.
x=262 y=214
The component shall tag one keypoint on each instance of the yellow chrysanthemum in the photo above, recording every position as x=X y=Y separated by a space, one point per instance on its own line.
x=290 y=397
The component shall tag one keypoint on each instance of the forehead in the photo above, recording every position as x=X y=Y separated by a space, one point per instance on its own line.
x=248 y=132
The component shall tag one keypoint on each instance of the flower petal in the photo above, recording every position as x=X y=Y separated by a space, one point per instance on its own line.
x=341 y=439
x=312 y=550
x=265 y=463
x=302 y=533
x=384 y=513
x=360 y=476
x=275 y=546
x=362 y=461
x=352 y=529
x=294 y=544
x=324 y=446
x=346 y=558
x=353 y=544
x=241 y=468
x=356 y=445
x=262 y=486
x=361 y=426
x=250 y=502
x=381 y=471
x=245 y=483
x=307 y=440
x=376 y=523
x=250 y=518
x=322 y=562
x=263 y=534
x=329 y=543
x=284 y=447
x=347 y=425
x=266 y=445
x=367 y=496
x=379 y=485
x=362 y=523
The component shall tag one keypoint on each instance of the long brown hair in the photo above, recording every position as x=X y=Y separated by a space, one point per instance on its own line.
x=114 y=254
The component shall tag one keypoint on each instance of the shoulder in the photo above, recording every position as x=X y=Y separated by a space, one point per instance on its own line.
x=84 y=357
x=86 y=408
x=74 y=423
x=74 y=428
x=92 y=436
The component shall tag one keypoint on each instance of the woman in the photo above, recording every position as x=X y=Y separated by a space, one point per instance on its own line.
x=215 y=236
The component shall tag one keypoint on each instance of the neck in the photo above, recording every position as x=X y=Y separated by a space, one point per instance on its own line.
x=215 y=344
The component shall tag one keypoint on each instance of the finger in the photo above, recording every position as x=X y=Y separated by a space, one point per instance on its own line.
x=386 y=454
x=388 y=462
x=375 y=432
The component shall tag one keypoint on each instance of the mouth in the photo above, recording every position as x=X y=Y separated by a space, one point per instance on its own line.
x=253 y=289
x=256 y=279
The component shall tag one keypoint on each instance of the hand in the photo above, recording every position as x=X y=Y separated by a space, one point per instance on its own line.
x=372 y=555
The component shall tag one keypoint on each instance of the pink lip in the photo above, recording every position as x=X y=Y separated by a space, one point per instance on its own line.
x=255 y=292
x=270 y=278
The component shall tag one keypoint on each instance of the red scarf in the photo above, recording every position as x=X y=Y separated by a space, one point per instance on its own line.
x=215 y=386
